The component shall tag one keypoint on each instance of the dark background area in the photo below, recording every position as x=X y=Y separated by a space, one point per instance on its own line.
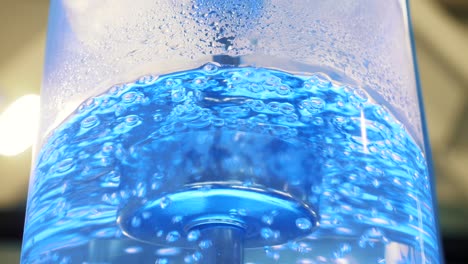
x=441 y=35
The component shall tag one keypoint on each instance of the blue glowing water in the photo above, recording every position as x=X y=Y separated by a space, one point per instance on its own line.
x=131 y=174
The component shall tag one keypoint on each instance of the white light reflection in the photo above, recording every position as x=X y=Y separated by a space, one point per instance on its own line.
x=18 y=125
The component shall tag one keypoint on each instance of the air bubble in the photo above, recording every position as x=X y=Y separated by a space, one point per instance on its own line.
x=169 y=251
x=267 y=219
x=363 y=242
x=193 y=258
x=268 y=234
x=269 y=252
x=132 y=120
x=303 y=223
x=361 y=95
x=210 y=67
x=146 y=215
x=107 y=148
x=376 y=183
x=193 y=235
x=199 y=81
x=89 y=122
x=159 y=233
x=273 y=106
x=167 y=129
x=136 y=222
x=373 y=233
x=179 y=126
x=65 y=165
x=242 y=212
x=286 y=108
x=345 y=248
x=116 y=89
x=205 y=244
x=255 y=88
x=89 y=104
x=283 y=90
x=178 y=94
x=217 y=122
x=129 y=97
x=133 y=250
x=65 y=260
x=279 y=130
x=158 y=117
x=177 y=219
x=162 y=261
x=318 y=121
x=320 y=80
x=148 y=79
x=313 y=105
x=300 y=247
x=172 y=236
x=233 y=213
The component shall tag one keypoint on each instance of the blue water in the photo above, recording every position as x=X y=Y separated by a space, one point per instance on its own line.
x=312 y=170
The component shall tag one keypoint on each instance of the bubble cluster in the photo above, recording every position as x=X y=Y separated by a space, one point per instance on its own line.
x=326 y=144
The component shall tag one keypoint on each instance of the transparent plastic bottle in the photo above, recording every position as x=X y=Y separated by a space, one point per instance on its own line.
x=245 y=131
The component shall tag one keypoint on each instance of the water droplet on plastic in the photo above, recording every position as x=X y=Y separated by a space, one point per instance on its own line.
x=89 y=122
x=136 y=222
x=65 y=165
x=193 y=235
x=205 y=244
x=165 y=202
x=267 y=233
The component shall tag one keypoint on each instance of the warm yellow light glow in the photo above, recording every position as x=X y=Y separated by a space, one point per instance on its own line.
x=18 y=125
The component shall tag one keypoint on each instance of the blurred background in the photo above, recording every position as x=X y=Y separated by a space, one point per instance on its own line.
x=441 y=32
